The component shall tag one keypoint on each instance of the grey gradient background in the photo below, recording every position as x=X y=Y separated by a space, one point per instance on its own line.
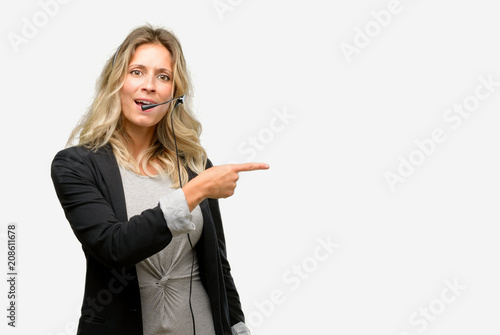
x=349 y=124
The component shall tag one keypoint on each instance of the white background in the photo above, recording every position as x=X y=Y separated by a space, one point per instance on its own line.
x=351 y=121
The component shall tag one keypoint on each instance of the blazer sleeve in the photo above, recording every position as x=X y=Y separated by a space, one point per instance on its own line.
x=86 y=202
x=235 y=312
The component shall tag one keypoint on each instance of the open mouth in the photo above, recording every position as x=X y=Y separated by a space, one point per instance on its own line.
x=141 y=103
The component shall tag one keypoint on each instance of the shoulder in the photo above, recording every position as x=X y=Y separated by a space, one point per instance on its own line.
x=74 y=152
x=79 y=158
x=70 y=157
x=82 y=153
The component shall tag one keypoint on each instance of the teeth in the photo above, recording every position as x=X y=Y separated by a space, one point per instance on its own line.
x=144 y=102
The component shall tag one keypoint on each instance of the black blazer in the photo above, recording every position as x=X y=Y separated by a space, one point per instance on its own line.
x=89 y=187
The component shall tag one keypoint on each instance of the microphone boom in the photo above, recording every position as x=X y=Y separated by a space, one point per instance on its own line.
x=180 y=100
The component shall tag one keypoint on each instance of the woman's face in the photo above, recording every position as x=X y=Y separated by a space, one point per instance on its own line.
x=148 y=81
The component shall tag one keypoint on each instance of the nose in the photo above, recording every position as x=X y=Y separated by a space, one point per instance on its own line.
x=148 y=85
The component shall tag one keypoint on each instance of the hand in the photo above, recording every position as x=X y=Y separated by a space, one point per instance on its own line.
x=217 y=182
x=220 y=181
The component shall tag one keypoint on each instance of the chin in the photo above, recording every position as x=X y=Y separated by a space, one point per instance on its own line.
x=146 y=124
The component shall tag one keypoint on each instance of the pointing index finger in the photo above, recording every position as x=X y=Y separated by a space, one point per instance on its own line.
x=250 y=167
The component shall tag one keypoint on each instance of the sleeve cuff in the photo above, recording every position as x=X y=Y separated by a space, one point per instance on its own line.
x=176 y=212
x=240 y=329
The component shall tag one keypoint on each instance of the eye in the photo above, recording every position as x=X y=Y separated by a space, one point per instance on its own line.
x=135 y=72
x=164 y=77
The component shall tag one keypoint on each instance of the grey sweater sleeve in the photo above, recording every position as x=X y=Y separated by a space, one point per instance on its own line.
x=176 y=212
x=240 y=329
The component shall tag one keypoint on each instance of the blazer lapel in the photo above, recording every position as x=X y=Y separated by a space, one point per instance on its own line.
x=108 y=167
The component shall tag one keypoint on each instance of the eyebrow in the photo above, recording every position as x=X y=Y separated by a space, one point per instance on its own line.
x=143 y=67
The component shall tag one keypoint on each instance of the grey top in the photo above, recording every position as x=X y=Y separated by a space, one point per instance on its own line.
x=164 y=277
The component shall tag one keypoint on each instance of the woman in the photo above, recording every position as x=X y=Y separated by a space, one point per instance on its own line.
x=154 y=244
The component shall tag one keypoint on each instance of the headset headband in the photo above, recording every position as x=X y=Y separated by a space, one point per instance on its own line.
x=116 y=54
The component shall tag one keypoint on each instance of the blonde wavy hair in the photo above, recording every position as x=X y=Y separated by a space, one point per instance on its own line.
x=103 y=123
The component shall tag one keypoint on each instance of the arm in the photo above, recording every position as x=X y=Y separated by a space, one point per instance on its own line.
x=86 y=204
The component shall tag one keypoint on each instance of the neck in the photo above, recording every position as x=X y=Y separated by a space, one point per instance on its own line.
x=141 y=138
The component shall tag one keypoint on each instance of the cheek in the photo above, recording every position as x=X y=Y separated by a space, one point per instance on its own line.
x=129 y=87
x=126 y=93
x=167 y=90
x=123 y=100
x=161 y=113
